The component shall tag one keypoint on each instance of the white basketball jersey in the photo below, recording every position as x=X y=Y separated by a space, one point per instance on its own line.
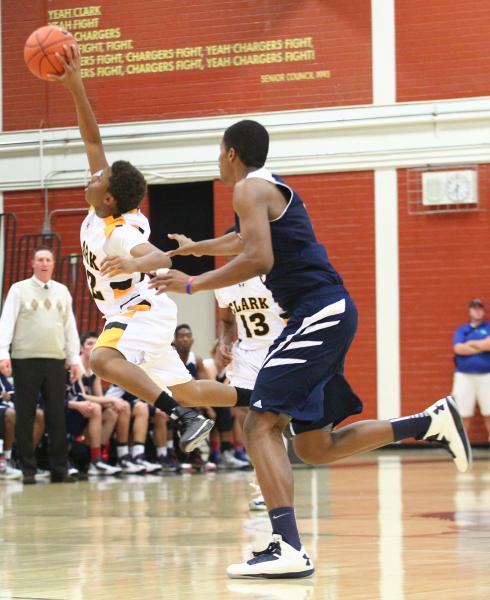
x=114 y=236
x=257 y=315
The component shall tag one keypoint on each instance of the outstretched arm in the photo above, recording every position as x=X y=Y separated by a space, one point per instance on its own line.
x=226 y=245
x=256 y=258
x=89 y=130
x=144 y=259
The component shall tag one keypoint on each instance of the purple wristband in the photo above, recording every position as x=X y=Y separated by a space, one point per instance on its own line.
x=188 y=284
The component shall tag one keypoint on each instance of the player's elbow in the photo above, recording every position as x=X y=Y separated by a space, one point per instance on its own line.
x=266 y=266
x=262 y=264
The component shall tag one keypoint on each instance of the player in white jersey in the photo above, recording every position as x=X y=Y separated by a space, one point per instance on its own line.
x=258 y=322
x=134 y=350
x=250 y=309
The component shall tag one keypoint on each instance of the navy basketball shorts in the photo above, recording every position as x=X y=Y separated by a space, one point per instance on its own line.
x=133 y=401
x=3 y=410
x=75 y=422
x=224 y=419
x=309 y=352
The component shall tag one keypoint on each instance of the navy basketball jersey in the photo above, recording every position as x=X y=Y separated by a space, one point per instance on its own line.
x=88 y=383
x=301 y=264
x=191 y=365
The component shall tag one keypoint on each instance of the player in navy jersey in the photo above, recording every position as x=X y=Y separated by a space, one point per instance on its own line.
x=300 y=386
x=183 y=342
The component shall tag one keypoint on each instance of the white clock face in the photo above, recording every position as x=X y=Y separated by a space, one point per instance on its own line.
x=458 y=188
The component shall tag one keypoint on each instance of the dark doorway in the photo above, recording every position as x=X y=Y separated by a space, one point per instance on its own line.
x=182 y=208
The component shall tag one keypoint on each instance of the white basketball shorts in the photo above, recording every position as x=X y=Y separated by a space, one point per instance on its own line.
x=470 y=388
x=143 y=334
x=244 y=368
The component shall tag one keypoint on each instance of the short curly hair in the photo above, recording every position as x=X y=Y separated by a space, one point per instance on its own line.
x=127 y=185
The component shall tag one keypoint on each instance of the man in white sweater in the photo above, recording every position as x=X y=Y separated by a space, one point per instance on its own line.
x=38 y=332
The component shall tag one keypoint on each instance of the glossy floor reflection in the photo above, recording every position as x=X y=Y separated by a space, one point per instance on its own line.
x=392 y=526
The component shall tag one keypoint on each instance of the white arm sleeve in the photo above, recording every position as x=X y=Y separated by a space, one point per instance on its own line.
x=8 y=320
x=72 y=339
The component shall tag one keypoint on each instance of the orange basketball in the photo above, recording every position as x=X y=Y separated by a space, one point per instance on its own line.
x=41 y=47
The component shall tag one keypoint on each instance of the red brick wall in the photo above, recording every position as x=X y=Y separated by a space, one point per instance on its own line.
x=441 y=268
x=341 y=207
x=442 y=49
x=340 y=40
x=444 y=262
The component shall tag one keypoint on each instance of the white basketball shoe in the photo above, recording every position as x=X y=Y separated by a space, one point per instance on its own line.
x=278 y=561
x=447 y=430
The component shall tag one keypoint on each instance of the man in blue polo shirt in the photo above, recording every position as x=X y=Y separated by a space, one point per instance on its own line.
x=472 y=358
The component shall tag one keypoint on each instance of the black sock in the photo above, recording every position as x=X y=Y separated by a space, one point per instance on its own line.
x=166 y=403
x=414 y=426
x=243 y=396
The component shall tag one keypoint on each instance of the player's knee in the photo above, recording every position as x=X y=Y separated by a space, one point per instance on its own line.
x=96 y=409
x=97 y=364
x=257 y=424
x=140 y=410
x=110 y=414
x=10 y=417
x=310 y=455
x=160 y=418
x=313 y=450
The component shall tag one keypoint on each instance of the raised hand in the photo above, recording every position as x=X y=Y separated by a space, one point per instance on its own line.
x=71 y=65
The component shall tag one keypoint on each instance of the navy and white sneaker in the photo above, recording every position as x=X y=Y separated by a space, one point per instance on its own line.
x=129 y=467
x=99 y=467
x=192 y=426
x=169 y=463
x=257 y=503
x=278 y=561
x=447 y=430
x=149 y=466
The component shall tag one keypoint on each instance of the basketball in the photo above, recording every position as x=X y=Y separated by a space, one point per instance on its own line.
x=41 y=48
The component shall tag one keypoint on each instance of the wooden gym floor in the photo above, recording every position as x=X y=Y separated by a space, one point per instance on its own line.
x=390 y=526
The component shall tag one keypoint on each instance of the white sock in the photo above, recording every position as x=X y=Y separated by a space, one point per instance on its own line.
x=8 y=454
x=122 y=451
x=137 y=450
x=170 y=444
x=1 y=446
x=162 y=451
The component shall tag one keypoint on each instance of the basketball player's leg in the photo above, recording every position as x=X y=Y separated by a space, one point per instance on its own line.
x=94 y=427
x=265 y=445
x=440 y=423
x=321 y=447
x=109 y=420
x=204 y=392
x=111 y=364
x=285 y=556
x=282 y=392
